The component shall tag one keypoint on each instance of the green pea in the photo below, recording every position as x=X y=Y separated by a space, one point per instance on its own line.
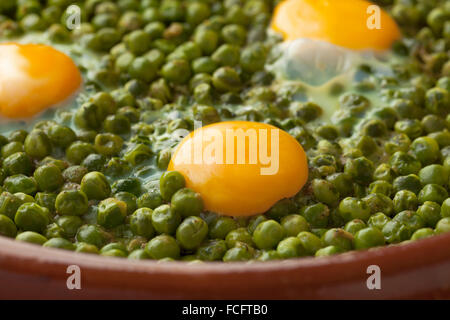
x=378 y=202
x=186 y=202
x=129 y=199
x=409 y=182
x=378 y=220
x=411 y=220
x=342 y=183
x=17 y=163
x=338 y=237
x=95 y=186
x=293 y=224
x=435 y=174
x=31 y=237
x=353 y=208
x=360 y=169
x=9 y=203
x=48 y=177
x=317 y=215
x=79 y=150
x=267 y=255
x=7 y=227
x=221 y=227
x=93 y=235
x=281 y=209
x=404 y=164
x=141 y=222
x=241 y=252
x=238 y=235
x=11 y=148
x=425 y=149
x=291 y=247
x=138 y=254
x=32 y=217
x=226 y=55
x=169 y=183
x=108 y=144
x=430 y=212
x=130 y=185
x=445 y=208
x=69 y=224
x=254 y=221
x=196 y=12
x=191 y=232
x=253 y=57
x=328 y=251
x=37 y=144
x=422 y=233
x=111 y=213
x=325 y=192
x=61 y=136
x=395 y=232
x=368 y=238
x=59 y=243
x=163 y=246
x=53 y=230
x=226 y=79
x=20 y=183
x=151 y=199
x=207 y=40
x=310 y=242
x=74 y=174
x=165 y=220
x=71 y=203
x=443 y=226
x=268 y=234
x=212 y=250
x=432 y=192
x=354 y=226
x=437 y=101
x=405 y=200
x=86 y=248
x=138 y=42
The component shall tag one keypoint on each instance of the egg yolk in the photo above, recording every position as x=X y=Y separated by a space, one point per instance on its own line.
x=346 y=23
x=34 y=77
x=241 y=168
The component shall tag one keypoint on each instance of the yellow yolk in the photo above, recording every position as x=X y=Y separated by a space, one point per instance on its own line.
x=33 y=78
x=342 y=22
x=241 y=168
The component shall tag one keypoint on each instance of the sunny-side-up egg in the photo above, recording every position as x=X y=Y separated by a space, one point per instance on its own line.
x=328 y=39
x=33 y=78
x=241 y=168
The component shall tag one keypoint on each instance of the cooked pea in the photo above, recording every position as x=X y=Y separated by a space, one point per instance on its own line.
x=268 y=234
x=169 y=183
x=328 y=251
x=212 y=250
x=95 y=186
x=20 y=183
x=432 y=192
x=353 y=208
x=186 y=202
x=71 y=203
x=7 y=227
x=32 y=217
x=354 y=226
x=59 y=243
x=221 y=227
x=422 y=233
x=368 y=238
x=241 y=252
x=395 y=232
x=48 y=177
x=31 y=237
x=111 y=212
x=338 y=237
x=191 y=232
x=163 y=246
x=165 y=219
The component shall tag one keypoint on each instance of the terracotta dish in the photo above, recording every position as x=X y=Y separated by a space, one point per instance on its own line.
x=417 y=269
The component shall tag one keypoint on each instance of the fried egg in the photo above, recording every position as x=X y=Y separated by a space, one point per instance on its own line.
x=241 y=168
x=325 y=39
x=33 y=78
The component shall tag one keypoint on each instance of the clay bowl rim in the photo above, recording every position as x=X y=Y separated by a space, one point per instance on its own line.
x=13 y=252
